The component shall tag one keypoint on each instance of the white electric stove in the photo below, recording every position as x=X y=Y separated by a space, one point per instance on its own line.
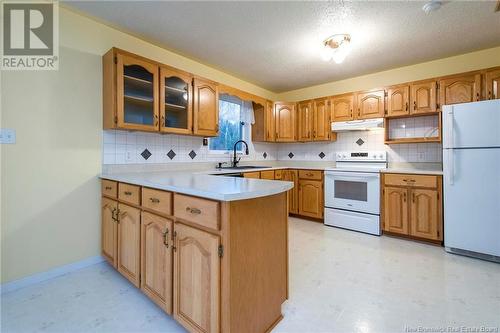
x=352 y=191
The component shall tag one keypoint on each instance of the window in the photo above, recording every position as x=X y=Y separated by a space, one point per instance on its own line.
x=230 y=125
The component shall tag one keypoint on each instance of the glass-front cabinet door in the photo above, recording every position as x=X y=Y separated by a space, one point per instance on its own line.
x=175 y=101
x=137 y=94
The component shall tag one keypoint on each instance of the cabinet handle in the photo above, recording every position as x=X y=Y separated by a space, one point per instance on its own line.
x=156 y=120
x=477 y=96
x=404 y=196
x=406 y=106
x=174 y=235
x=113 y=216
x=193 y=210
x=309 y=174
x=154 y=200
x=117 y=216
x=162 y=124
x=409 y=180
x=414 y=105
x=108 y=188
x=413 y=198
x=127 y=193
x=165 y=238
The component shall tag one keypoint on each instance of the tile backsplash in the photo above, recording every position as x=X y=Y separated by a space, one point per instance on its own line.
x=122 y=147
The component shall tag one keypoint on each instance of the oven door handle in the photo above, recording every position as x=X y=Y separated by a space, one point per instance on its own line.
x=353 y=174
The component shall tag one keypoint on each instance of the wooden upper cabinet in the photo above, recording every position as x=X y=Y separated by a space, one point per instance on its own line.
x=322 y=119
x=263 y=128
x=424 y=214
x=129 y=240
x=196 y=279
x=423 y=97
x=311 y=198
x=460 y=89
x=342 y=107
x=493 y=84
x=205 y=107
x=396 y=210
x=305 y=121
x=156 y=259
x=371 y=104
x=269 y=122
x=136 y=93
x=176 y=101
x=109 y=230
x=285 y=124
x=398 y=100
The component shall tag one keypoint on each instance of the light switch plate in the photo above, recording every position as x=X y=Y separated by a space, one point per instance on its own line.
x=7 y=136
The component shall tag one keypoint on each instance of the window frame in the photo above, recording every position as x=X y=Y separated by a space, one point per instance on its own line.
x=244 y=128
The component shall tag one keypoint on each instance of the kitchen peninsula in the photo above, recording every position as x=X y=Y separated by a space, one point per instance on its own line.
x=200 y=246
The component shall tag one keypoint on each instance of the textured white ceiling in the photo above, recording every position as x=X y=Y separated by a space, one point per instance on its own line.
x=276 y=44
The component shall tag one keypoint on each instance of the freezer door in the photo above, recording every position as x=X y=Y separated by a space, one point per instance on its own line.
x=471 y=125
x=472 y=200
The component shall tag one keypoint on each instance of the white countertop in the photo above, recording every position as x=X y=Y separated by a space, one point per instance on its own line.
x=412 y=171
x=203 y=185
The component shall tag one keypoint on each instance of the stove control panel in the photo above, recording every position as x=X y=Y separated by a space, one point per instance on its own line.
x=362 y=156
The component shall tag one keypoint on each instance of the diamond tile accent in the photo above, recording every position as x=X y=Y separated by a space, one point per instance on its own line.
x=171 y=154
x=322 y=155
x=192 y=154
x=146 y=154
x=360 y=142
x=291 y=155
x=264 y=155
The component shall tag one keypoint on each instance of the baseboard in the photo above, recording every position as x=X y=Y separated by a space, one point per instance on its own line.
x=50 y=274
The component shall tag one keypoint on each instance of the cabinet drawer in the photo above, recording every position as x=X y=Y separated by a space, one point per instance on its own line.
x=410 y=180
x=269 y=174
x=310 y=174
x=196 y=210
x=109 y=188
x=160 y=201
x=278 y=174
x=129 y=193
x=255 y=174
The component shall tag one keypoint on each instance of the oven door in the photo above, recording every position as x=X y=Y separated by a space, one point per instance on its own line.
x=354 y=191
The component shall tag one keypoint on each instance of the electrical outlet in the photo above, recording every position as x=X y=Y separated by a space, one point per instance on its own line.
x=7 y=136
x=421 y=156
x=128 y=156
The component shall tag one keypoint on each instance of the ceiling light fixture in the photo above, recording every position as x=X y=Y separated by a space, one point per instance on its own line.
x=432 y=6
x=336 y=48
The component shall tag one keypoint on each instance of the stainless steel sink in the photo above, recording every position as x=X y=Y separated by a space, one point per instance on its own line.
x=241 y=167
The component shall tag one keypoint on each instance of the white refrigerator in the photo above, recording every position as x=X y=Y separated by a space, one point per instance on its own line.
x=471 y=165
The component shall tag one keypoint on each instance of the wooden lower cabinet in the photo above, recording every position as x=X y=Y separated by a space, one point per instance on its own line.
x=413 y=209
x=255 y=175
x=396 y=210
x=129 y=242
x=196 y=279
x=311 y=198
x=109 y=230
x=156 y=259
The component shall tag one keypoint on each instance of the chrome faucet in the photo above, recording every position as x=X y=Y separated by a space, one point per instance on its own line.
x=236 y=160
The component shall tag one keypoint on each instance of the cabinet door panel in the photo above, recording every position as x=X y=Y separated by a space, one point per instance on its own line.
x=321 y=128
x=310 y=198
x=462 y=89
x=398 y=100
x=305 y=118
x=424 y=219
x=423 y=97
x=293 y=200
x=396 y=210
x=206 y=108
x=156 y=259
x=109 y=230
x=176 y=102
x=196 y=279
x=269 y=120
x=342 y=107
x=493 y=84
x=129 y=239
x=285 y=122
x=137 y=94
x=371 y=104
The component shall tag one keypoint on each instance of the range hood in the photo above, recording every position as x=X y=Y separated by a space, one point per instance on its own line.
x=357 y=125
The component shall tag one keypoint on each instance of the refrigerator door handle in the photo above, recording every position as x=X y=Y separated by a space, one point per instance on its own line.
x=449 y=131
x=451 y=168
